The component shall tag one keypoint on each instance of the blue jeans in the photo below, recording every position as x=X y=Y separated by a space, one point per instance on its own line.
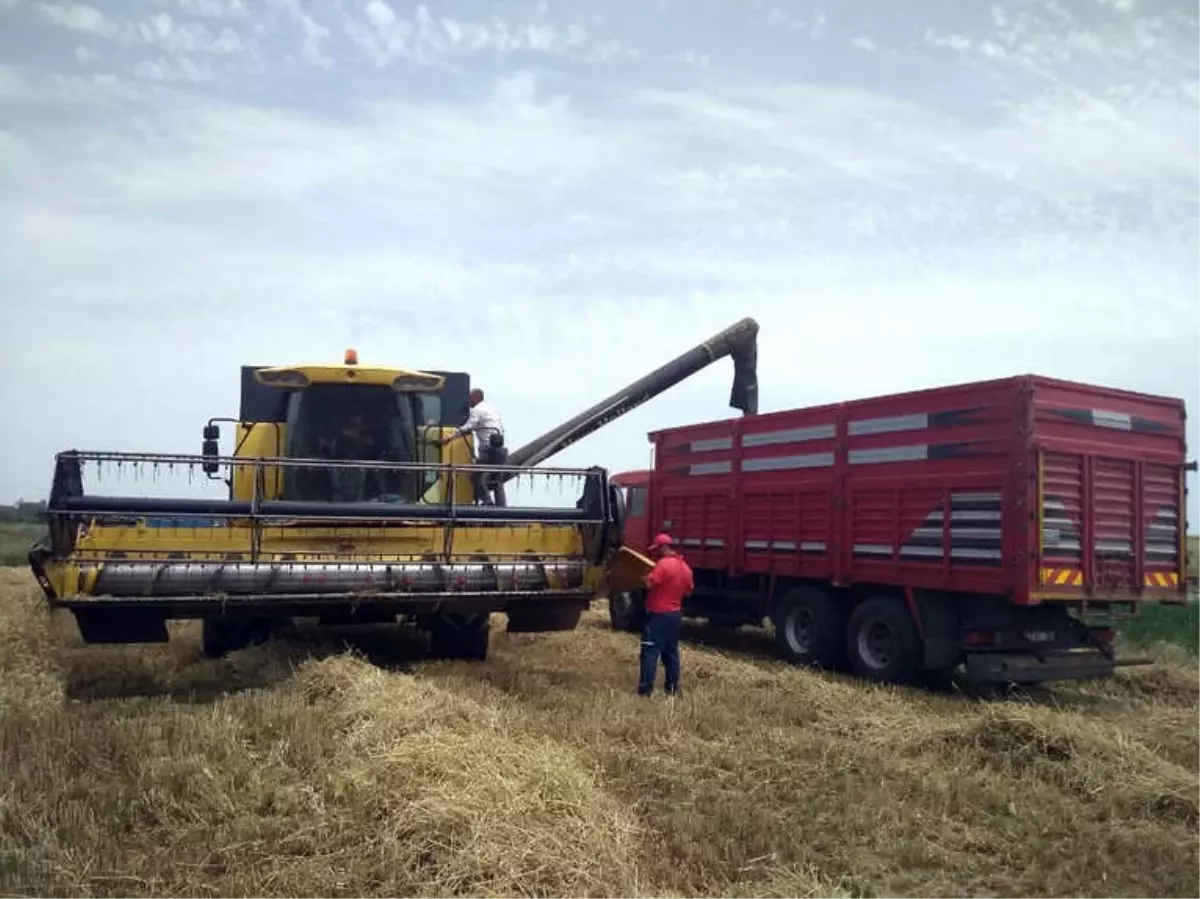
x=660 y=639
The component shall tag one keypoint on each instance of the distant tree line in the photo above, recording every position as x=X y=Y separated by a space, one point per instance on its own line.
x=22 y=511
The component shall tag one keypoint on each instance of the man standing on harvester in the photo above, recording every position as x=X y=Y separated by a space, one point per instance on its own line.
x=488 y=428
x=666 y=585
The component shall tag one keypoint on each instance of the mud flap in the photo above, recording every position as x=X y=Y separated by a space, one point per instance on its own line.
x=1026 y=668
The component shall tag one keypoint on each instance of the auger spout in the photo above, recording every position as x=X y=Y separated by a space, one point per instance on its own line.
x=739 y=341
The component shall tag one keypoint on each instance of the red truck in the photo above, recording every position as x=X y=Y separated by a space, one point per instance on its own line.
x=1001 y=526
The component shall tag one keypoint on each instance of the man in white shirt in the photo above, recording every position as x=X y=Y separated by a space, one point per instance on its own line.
x=483 y=421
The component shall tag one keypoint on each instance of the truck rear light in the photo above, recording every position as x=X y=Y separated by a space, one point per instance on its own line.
x=979 y=638
x=1104 y=635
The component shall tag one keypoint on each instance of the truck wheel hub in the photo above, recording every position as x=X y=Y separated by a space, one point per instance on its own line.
x=799 y=629
x=875 y=641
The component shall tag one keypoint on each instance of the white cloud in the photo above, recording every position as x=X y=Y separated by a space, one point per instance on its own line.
x=953 y=41
x=209 y=9
x=386 y=36
x=176 y=69
x=76 y=17
x=165 y=33
x=862 y=42
x=85 y=54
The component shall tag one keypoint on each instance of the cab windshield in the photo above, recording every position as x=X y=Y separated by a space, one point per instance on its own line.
x=353 y=422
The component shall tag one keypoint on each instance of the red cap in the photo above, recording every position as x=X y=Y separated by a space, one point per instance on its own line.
x=663 y=540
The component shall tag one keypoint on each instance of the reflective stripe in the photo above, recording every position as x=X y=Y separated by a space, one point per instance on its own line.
x=888 y=425
x=791 y=435
x=777 y=463
x=888 y=454
x=1119 y=421
x=711 y=467
x=708 y=446
x=879 y=549
x=808 y=546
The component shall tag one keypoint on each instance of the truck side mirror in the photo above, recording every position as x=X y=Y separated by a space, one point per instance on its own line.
x=211 y=450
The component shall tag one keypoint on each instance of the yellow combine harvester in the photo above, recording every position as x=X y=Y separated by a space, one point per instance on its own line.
x=343 y=503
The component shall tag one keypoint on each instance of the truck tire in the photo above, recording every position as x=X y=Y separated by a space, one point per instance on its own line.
x=458 y=636
x=625 y=610
x=882 y=641
x=810 y=628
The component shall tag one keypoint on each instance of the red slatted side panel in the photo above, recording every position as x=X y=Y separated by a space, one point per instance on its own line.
x=1062 y=519
x=1111 y=491
x=786 y=492
x=1160 y=522
x=928 y=482
x=694 y=469
x=1113 y=561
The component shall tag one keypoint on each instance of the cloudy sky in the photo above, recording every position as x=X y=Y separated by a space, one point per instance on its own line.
x=557 y=196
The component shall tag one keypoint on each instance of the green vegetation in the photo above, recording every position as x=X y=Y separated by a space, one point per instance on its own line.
x=15 y=540
x=20 y=527
x=1174 y=625
x=1177 y=625
x=22 y=511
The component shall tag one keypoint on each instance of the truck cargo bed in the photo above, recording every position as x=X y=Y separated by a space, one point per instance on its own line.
x=1026 y=488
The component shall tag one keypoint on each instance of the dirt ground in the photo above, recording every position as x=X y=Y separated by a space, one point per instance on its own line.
x=313 y=767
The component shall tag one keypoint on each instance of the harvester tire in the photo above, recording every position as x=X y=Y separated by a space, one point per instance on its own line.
x=810 y=628
x=458 y=636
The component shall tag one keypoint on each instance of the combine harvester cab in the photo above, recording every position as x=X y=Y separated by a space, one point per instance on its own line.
x=342 y=504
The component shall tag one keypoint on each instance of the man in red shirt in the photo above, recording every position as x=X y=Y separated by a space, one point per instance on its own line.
x=666 y=585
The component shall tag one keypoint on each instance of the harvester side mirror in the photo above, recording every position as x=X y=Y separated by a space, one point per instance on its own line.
x=212 y=432
x=210 y=452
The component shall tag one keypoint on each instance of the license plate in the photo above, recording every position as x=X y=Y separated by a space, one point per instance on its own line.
x=1039 y=636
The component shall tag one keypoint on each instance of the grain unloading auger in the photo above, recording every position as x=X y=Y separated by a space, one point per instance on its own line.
x=343 y=504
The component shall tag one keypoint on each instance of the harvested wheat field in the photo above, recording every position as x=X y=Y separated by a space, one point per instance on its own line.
x=304 y=768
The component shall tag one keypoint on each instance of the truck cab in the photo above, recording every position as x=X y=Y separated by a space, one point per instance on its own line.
x=636 y=485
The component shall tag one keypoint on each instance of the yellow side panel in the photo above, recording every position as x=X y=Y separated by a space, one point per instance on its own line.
x=367 y=544
x=258 y=440
x=457 y=452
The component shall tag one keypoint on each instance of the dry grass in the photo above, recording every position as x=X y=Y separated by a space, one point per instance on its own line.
x=126 y=771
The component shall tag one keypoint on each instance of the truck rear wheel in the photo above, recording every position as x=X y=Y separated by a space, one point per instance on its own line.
x=810 y=628
x=882 y=641
x=458 y=636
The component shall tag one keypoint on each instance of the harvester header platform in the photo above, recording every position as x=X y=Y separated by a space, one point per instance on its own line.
x=347 y=499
